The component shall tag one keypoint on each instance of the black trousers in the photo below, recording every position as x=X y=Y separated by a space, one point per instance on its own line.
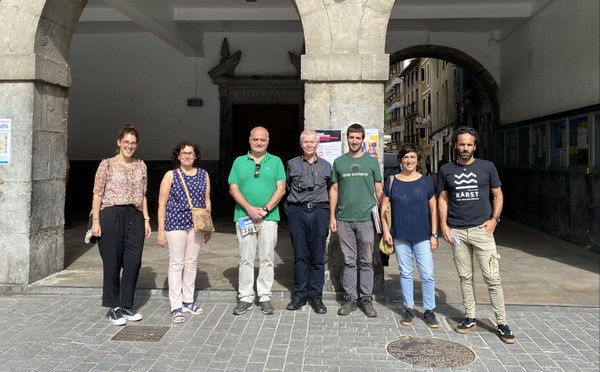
x=308 y=232
x=121 y=246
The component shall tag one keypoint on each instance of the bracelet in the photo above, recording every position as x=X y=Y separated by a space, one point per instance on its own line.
x=435 y=235
x=147 y=219
x=95 y=219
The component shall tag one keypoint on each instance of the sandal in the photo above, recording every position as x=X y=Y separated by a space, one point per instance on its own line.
x=192 y=308
x=177 y=316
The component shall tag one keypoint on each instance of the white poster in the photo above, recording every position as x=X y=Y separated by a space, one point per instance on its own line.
x=5 y=141
x=330 y=146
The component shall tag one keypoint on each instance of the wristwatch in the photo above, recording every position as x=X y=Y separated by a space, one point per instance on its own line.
x=435 y=235
x=497 y=219
x=266 y=209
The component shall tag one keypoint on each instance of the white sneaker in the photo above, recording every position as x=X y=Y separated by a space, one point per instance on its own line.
x=130 y=314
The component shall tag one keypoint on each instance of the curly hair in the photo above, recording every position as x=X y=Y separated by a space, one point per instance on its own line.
x=180 y=146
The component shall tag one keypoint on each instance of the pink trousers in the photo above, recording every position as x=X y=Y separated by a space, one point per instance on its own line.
x=184 y=247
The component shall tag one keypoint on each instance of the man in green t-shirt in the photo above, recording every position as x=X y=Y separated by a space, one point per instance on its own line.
x=356 y=188
x=257 y=184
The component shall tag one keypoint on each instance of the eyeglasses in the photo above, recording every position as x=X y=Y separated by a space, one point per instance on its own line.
x=186 y=154
x=256 y=170
x=127 y=143
x=466 y=130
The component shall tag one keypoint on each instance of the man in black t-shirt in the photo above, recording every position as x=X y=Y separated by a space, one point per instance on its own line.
x=468 y=221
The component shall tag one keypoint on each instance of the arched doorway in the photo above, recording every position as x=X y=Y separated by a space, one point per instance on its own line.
x=475 y=71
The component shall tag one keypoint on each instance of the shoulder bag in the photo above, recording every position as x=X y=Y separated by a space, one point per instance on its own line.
x=384 y=247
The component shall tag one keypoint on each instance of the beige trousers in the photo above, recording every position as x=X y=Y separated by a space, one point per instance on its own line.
x=475 y=242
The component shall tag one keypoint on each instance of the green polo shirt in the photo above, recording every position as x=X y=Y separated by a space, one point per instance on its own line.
x=257 y=190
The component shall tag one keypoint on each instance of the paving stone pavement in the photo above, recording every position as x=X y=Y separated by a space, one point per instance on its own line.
x=72 y=333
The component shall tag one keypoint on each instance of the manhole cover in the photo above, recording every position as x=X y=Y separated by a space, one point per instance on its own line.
x=140 y=333
x=430 y=352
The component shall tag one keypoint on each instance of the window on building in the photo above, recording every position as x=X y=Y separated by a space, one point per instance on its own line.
x=596 y=143
x=579 y=140
x=524 y=146
x=500 y=149
x=539 y=144
x=558 y=147
x=511 y=148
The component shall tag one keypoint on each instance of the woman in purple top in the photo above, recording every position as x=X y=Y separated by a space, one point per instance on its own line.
x=175 y=226
x=413 y=231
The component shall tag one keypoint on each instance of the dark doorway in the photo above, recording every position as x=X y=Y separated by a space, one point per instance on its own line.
x=281 y=120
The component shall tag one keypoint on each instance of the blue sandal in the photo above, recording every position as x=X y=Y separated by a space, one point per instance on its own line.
x=192 y=308
x=177 y=316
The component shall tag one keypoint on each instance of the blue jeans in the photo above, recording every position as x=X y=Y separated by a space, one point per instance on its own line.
x=422 y=252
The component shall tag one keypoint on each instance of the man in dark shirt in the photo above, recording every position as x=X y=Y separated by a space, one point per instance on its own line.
x=308 y=180
x=468 y=222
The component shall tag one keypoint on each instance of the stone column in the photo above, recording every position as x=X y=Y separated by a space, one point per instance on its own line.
x=34 y=80
x=344 y=69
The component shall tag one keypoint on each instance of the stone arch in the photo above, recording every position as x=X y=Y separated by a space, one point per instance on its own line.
x=34 y=81
x=462 y=60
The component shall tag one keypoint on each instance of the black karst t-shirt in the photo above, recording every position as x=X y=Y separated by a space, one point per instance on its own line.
x=468 y=188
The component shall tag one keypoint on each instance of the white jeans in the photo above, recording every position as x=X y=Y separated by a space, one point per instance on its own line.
x=184 y=247
x=264 y=240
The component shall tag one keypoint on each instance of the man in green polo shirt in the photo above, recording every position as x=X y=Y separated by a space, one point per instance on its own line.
x=257 y=184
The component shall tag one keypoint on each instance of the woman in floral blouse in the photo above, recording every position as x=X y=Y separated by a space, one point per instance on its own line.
x=121 y=222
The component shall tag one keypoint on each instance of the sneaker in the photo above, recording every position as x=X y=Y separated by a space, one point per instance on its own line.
x=347 y=308
x=430 y=319
x=505 y=334
x=368 y=309
x=130 y=314
x=407 y=317
x=116 y=316
x=467 y=325
x=242 y=307
x=266 y=307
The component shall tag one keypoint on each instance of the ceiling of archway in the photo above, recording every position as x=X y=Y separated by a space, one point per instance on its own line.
x=182 y=23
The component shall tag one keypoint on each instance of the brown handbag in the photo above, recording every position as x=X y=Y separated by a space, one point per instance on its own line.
x=200 y=216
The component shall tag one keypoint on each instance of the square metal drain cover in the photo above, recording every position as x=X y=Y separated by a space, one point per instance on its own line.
x=140 y=333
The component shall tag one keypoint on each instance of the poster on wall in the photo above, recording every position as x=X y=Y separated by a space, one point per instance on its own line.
x=330 y=146
x=5 y=141
x=371 y=143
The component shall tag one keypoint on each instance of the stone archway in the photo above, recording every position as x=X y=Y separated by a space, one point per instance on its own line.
x=477 y=71
x=34 y=81
x=459 y=59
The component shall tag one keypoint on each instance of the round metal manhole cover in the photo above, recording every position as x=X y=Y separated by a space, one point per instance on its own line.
x=430 y=352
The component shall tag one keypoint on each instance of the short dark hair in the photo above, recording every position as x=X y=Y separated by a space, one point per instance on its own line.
x=409 y=147
x=355 y=128
x=467 y=130
x=180 y=146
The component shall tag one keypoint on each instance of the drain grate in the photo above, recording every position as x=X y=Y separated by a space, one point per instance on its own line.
x=140 y=333
x=430 y=352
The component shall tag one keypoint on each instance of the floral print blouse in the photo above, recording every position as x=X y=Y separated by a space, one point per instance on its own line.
x=121 y=184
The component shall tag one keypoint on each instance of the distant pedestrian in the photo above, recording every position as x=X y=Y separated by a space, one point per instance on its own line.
x=121 y=222
x=413 y=232
x=428 y=166
x=175 y=225
x=355 y=190
x=308 y=181
x=442 y=161
x=257 y=184
x=468 y=222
